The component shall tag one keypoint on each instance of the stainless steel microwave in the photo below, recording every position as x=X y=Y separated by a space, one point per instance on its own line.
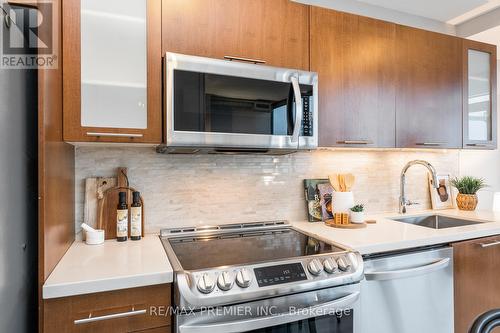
x=223 y=106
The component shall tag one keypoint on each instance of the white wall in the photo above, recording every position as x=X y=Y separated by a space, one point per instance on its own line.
x=385 y=14
x=484 y=164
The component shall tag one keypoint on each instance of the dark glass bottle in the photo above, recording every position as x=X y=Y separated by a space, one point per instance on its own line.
x=122 y=218
x=136 y=217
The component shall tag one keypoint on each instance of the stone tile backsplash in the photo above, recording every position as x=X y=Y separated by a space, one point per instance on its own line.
x=186 y=190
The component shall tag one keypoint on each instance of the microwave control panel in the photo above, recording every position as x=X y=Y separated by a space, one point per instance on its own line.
x=307 y=121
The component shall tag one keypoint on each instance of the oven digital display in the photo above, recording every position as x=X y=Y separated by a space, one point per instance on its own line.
x=268 y=276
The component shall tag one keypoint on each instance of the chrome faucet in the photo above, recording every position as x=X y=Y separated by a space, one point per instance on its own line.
x=403 y=202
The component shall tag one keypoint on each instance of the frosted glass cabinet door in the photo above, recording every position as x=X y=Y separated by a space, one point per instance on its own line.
x=479 y=96
x=114 y=64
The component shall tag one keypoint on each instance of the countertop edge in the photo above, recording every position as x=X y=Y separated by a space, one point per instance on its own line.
x=90 y=287
x=59 y=285
x=410 y=244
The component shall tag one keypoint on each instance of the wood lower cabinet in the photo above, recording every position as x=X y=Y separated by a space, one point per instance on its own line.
x=142 y=309
x=276 y=31
x=429 y=89
x=476 y=276
x=355 y=60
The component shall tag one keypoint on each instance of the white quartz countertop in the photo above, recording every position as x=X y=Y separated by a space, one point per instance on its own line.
x=387 y=235
x=110 y=266
x=116 y=265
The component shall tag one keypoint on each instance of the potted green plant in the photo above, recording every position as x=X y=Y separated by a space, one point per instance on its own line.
x=357 y=213
x=467 y=187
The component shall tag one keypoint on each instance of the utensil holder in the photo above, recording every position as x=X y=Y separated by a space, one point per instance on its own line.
x=342 y=201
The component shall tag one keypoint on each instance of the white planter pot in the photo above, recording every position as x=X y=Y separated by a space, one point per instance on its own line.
x=342 y=201
x=357 y=217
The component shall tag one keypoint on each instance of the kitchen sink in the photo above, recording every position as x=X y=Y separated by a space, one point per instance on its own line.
x=436 y=221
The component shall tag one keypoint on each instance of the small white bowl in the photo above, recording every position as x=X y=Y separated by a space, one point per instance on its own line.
x=94 y=237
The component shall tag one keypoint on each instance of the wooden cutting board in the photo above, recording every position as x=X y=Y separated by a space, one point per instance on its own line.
x=106 y=215
x=94 y=189
x=332 y=224
x=109 y=202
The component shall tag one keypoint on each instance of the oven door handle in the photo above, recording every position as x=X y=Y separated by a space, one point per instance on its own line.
x=295 y=314
x=299 y=109
x=409 y=272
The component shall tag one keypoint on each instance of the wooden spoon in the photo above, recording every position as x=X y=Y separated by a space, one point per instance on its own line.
x=334 y=181
x=349 y=181
x=341 y=187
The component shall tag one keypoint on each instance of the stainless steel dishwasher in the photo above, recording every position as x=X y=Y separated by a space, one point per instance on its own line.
x=410 y=292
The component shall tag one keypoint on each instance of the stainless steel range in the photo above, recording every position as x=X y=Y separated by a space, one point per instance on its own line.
x=261 y=277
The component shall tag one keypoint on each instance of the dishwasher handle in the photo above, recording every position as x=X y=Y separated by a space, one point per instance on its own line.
x=409 y=272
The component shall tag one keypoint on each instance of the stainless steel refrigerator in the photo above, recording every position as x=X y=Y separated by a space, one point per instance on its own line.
x=18 y=200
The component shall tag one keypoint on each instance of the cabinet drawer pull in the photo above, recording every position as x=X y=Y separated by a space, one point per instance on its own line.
x=116 y=135
x=355 y=142
x=91 y=319
x=255 y=61
x=477 y=145
x=485 y=245
x=430 y=144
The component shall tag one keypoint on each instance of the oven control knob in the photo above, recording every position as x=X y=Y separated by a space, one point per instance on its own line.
x=343 y=264
x=243 y=278
x=315 y=267
x=205 y=284
x=225 y=281
x=330 y=265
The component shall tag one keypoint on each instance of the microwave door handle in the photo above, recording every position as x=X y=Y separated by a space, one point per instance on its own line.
x=299 y=110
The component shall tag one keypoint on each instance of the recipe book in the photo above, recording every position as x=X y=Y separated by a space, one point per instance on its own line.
x=315 y=210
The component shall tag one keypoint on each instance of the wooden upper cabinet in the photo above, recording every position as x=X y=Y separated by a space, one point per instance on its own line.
x=476 y=272
x=112 y=71
x=429 y=89
x=276 y=31
x=479 y=95
x=354 y=57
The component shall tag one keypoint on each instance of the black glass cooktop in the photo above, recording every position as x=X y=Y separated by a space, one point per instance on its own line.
x=245 y=248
